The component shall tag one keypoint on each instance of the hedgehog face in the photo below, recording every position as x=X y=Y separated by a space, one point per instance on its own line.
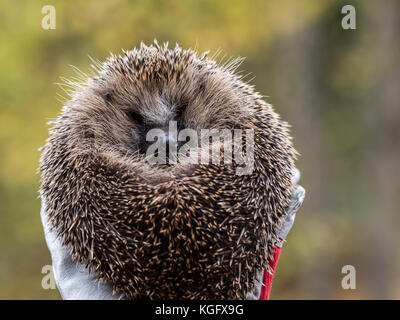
x=147 y=89
x=148 y=116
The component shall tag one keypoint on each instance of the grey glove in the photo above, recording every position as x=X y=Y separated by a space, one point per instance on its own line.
x=294 y=205
x=73 y=280
x=75 y=283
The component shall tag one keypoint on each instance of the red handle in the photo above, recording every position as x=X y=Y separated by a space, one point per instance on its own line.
x=267 y=279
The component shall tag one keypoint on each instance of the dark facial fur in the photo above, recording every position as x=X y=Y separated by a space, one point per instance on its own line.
x=183 y=232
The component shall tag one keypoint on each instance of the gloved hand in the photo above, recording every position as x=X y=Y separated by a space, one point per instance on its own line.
x=265 y=278
x=75 y=283
x=73 y=280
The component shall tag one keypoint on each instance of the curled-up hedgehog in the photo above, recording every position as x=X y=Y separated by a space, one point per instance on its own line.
x=172 y=230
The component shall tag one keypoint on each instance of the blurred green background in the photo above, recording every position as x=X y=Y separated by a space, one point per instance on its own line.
x=338 y=88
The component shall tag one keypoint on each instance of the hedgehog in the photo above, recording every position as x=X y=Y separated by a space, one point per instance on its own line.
x=175 y=231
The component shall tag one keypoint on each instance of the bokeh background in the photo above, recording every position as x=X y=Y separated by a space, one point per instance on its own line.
x=338 y=88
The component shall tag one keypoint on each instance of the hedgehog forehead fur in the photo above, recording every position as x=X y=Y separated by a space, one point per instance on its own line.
x=191 y=232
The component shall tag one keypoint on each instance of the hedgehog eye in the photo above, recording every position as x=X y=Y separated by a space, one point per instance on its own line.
x=108 y=97
x=135 y=117
x=180 y=111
